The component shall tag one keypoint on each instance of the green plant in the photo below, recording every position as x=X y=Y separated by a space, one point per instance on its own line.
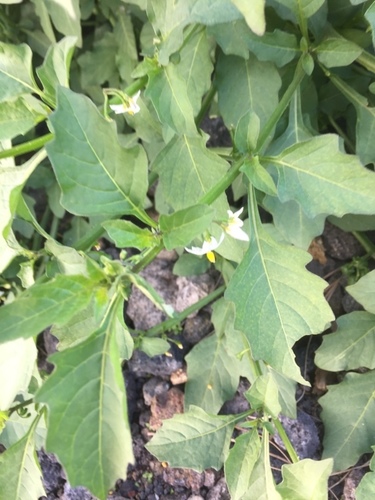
x=293 y=82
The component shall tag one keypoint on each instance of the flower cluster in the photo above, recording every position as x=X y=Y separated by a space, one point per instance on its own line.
x=233 y=227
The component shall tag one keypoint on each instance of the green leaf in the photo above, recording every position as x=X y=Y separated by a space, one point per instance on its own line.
x=17 y=362
x=125 y=234
x=153 y=346
x=366 y=488
x=127 y=55
x=181 y=227
x=349 y=429
x=240 y=463
x=96 y=175
x=194 y=439
x=55 y=69
x=277 y=300
x=253 y=14
x=190 y=265
x=210 y=12
x=168 y=93
x=352 y=346
x=306 y=8
x=18 y=116
x=195 y=67
x=322 y=179
x=305 y=480
x=41 y=305
x=264 y=394
x=258 y=175
x=247 y=132
x=334 y=50
x=18 y=426
x=244 y=85
x=365 y=125
x=16 y=75
x=198 y=170
x=370 y=16
x=20 y=474
x=99 y=64
x=65 y=15
x=88 y=425
x=213 y=374
x=364 y=291
x=287 y=390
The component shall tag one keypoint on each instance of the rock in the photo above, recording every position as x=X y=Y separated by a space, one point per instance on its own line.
x=303 y=435
x=165 y=405
x=154 y=387
x=219 y=491
x=159 y=366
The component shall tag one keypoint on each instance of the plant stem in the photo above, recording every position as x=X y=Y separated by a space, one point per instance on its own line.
x=21 y=405
x=367 y=61
x=205 y=104
x=148 y=258
x=281 y=107
x=365 y=242
x=223 y=184
x=26 y=147
x=171 y=323
x=288 y=445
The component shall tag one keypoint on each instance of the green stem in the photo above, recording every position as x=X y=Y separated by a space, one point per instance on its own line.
x=148 y=258
x=367 y=61
x=341 y=133
x=288 y=445
x=37 y=239
x=223 y=184
x=26 y=147
x=205 y=104
x=365 y=242
x=21 y=405
x=171 y=323
x=281 y=107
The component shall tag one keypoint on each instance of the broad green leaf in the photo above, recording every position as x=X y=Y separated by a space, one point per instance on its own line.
x=349 y=429
x=354 y=222
x=352 y=346
x=364 y=291
x=244 y=85
x=12 y=180
x=18 y=116
x=96 y=175
x=17 y=360
x=127 y=56
x=69 y=261
x=277 y=300
x=20 y=474
x=125 y=234
x=190 y=265
x=194 y=439
x=370 y=16
x=334 y=50
x=16 y=76
x=365 y=125
x=65 y=15
x=187 y=170
x=154 y=346
x=232 y=37
x=195 y=67
x=253 y=14
x=88 y=425
x=292 y=223
x=261 y=482
x=258 y=175
x=211 y=12
x=305 y=480
x=213 y=374
x=287 y=391
x=181 y=227
x=306 y=8
x=55 y=69
x=264 y=394
x=322 y=179
x=247 y=132
x=366 y=488
x=240 y=463
x=168 y=93
x=45 y=21
x=44 y=304
x=99 y=64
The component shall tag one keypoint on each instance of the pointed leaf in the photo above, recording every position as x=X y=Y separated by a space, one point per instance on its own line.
x=364 y=291
x=44 y=304
x=16 y=75
x=305 y=480
x=264 y=394
x=254 y=14
x=335 y=50
x=127 y=55
x=240 y=463
x=65 y=15
x=96 y=175
x=20 y=474
x=349 y=429
x=181 y=227
x=323 y=179
x=125 y=234
x=194 y=439
x=351 y=347
x=168 y=93
x=88 y=425
x=199 y=170
x=277 y=300
x=258 y=175
x=55 y=69
x=153 y=346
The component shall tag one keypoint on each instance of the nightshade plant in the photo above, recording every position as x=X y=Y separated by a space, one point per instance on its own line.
x=101 y=100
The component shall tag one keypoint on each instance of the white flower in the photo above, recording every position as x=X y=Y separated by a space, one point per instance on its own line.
x=207 y=248
x=234 y=224
x=132 y=108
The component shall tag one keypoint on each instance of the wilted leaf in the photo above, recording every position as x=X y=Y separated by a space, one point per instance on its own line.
x=88 y=425
x=348 y=411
